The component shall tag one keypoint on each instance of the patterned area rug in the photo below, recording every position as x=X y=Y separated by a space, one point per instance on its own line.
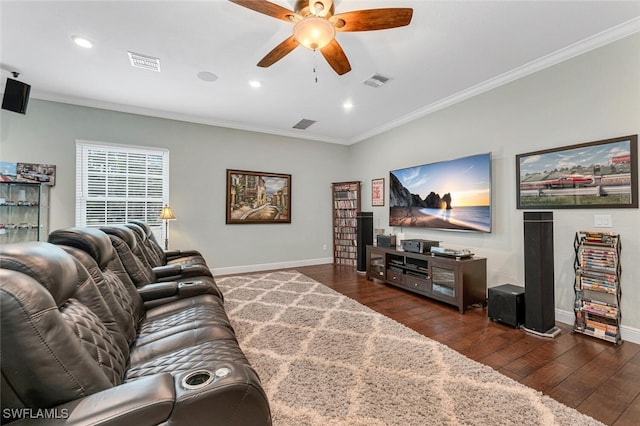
x=324 y=359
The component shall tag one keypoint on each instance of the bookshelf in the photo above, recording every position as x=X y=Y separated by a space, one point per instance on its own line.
x=346 y=205
x=597 y=285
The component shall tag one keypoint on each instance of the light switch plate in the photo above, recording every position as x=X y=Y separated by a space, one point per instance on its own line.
x=602 y=221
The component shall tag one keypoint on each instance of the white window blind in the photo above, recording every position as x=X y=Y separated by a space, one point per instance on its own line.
x=117 y=183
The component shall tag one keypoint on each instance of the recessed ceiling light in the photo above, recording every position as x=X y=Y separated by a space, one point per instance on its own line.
x=348 y=105
x=207 y=76
x=255 y=84
x=82 y=42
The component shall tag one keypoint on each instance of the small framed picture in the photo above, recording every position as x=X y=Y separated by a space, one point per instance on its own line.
x=377 y=192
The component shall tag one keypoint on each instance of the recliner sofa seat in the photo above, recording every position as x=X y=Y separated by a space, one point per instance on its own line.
x=78 y=336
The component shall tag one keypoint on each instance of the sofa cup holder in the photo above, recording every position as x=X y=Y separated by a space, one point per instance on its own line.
x=197 y=379
x=189 y=284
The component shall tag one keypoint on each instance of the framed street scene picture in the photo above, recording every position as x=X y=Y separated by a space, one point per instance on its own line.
x=258 y=197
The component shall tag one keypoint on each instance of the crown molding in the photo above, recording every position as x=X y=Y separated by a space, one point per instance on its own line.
x=603 y=38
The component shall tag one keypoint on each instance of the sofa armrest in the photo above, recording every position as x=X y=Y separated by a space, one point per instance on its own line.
x=167 y=271
x=146 y=401
x=155 y=291
x=195 y=288
x=235 y=396
x=157 y=294
x=178 y=272
x=172 y=254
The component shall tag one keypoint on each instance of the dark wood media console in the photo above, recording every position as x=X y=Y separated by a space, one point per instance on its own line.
x=459 y=282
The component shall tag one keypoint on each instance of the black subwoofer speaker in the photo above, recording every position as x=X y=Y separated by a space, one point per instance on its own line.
x=539 y=271
x=364 y=237
x=506 y=304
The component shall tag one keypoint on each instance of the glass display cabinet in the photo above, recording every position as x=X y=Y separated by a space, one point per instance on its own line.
x=24 y=212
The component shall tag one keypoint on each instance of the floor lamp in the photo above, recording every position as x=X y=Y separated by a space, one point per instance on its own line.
x=166 y=215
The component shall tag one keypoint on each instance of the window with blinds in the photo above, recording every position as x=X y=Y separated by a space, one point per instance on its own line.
x=116 y=184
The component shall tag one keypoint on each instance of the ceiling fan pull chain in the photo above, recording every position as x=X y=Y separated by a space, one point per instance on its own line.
x=315 y=66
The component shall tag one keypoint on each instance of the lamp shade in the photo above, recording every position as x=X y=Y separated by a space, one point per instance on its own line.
x=313 y=32
x=166 y=213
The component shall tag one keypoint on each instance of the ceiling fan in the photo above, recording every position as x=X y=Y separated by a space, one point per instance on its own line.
x=315 y=27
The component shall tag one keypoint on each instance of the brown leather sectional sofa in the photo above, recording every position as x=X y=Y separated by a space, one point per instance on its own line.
x=94 y=334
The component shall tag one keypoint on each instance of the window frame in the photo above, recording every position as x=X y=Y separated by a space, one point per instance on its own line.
x=145 y=204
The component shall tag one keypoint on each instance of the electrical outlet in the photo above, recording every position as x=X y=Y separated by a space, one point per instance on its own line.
x=324 y=247
x=602 y=221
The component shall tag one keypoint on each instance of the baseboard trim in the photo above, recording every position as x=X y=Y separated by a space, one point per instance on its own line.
x=629 y=334
x=230 y=270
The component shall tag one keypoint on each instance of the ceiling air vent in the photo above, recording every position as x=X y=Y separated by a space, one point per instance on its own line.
x=144 y=62
x=303 y=124
x=376 y=80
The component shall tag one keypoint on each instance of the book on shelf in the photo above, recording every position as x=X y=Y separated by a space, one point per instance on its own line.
x=599 y=251
x=345 y=222
x=600 y=288
x=346 y=213
x=599 y=312
x=598 y=275
x=596 y=326
x=599 y=237
x=579 y=322
x=345 y=204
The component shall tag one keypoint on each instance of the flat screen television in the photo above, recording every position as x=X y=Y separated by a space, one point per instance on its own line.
x=16 y=96
x=451 y=195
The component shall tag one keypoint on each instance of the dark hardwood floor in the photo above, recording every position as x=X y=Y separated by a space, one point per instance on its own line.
x=590 y=375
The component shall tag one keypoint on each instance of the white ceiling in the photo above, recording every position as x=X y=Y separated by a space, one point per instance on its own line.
x=451 y=50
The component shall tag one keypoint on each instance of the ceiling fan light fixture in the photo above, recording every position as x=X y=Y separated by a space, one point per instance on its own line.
x=313 y=32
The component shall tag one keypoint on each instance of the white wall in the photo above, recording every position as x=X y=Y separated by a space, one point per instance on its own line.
x=199 y=157
x=592 y=97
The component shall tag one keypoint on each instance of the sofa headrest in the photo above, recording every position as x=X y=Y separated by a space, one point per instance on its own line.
x=55 y=269
x=44 y=363
x=122 y=232
x=138 y=230
x=145 y=226
x=93 y=241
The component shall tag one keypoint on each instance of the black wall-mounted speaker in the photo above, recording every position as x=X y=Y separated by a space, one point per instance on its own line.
x=16 y=96
x=364 y=235
x=539 y=271
x=506 y=304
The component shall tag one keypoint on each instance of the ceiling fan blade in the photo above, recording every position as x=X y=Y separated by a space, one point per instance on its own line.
x=279 y=52
x=372 y=19
x=270 y=9
x=334 y=54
